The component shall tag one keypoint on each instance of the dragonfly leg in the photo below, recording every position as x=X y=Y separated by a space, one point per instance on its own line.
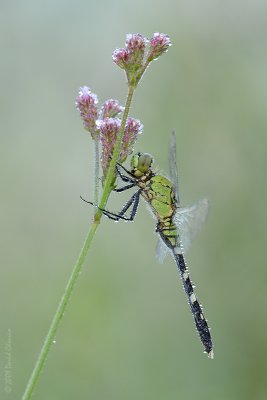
x=124 y=188
x=134 y=200
x=135 y=205
x=118 y=165
x=124 y=178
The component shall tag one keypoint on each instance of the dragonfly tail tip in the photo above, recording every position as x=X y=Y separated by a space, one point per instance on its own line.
x=211 y=354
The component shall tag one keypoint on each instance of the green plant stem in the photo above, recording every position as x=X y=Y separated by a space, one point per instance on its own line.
x=79 y=263
x=96 y=170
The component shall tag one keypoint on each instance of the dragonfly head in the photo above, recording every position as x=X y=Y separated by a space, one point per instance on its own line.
x=141 y=164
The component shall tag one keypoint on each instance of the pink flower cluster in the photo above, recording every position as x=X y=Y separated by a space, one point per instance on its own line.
x=104 y=125
x=138 y=53
x=86 y=103
x=109 y=129
x=110 y=109
x=159 y=44
x=132 y=129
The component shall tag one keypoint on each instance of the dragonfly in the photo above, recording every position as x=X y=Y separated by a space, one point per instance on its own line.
x=176 y=226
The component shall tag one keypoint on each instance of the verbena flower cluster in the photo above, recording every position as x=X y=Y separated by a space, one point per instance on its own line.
x=104 y=123
x=138 y=53
x=109 y=129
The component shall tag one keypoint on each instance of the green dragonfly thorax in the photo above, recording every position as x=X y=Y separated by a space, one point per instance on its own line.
x=159 y=192
x=161 y=198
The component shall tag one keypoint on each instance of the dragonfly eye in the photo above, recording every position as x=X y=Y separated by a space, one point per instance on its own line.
x=144 y=162
x=141 y=163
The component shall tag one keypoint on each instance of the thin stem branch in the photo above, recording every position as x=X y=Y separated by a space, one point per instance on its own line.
x=79 y=263
x=96 y=170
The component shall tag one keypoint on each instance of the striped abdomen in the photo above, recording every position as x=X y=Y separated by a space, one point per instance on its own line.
x=200 y=321
x=168 y=233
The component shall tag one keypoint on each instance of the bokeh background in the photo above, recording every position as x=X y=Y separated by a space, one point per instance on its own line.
x=128 y=332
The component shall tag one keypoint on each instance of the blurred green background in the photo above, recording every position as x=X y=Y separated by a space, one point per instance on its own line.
x=128 y=332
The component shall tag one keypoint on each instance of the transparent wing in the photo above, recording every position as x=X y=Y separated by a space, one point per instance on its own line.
x=161 y=249
x=189 y=222
x=173 y=165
